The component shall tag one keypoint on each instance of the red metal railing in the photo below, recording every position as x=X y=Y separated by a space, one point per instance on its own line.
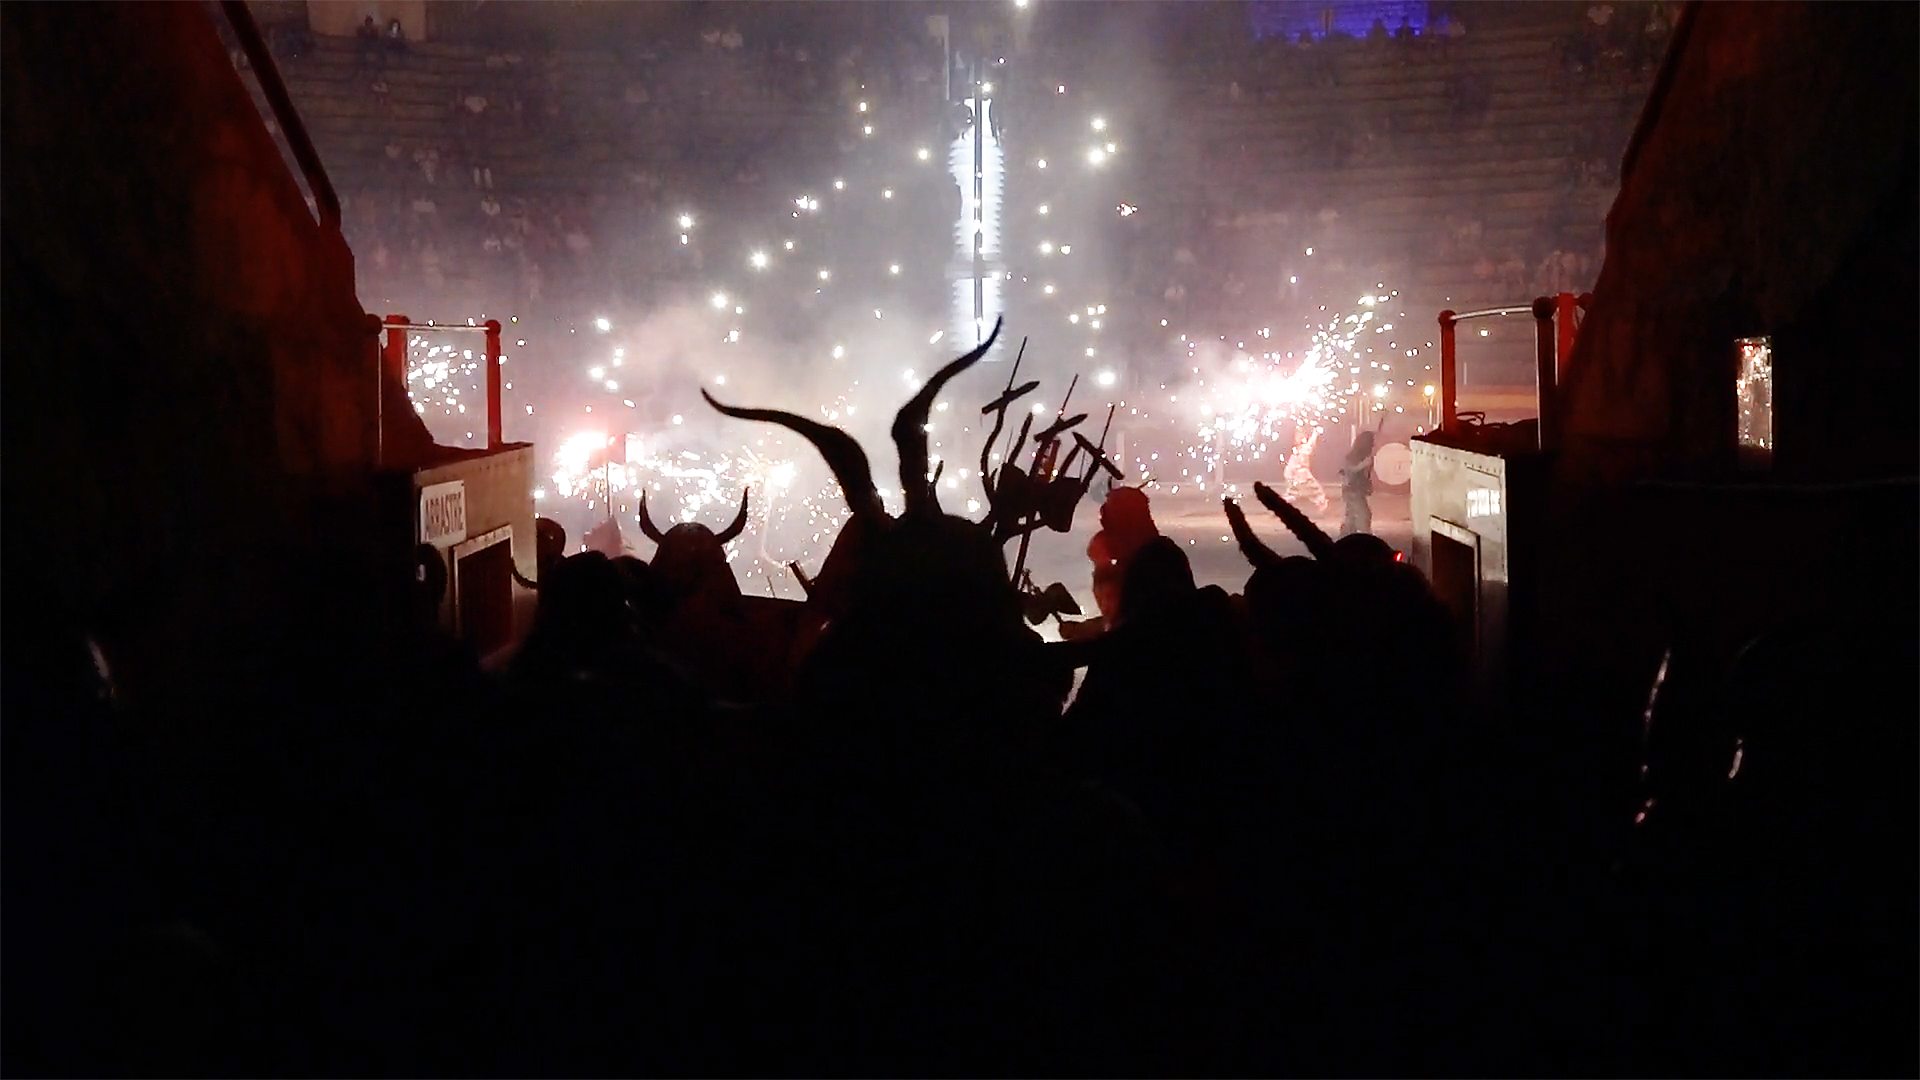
x=1556 y=324
x=393 y=357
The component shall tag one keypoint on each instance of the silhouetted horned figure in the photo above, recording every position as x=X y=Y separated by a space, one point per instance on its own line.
x=906 y=604
x=691 y=557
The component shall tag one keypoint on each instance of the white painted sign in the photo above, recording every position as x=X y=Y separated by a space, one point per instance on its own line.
x=443 y=514
x=1393 y=464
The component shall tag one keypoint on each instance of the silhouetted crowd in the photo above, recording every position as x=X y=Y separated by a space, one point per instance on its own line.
x=690 y=831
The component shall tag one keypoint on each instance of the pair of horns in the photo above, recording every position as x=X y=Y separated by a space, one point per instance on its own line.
x=1256 y=550
x=727 y=535
x=849 y=462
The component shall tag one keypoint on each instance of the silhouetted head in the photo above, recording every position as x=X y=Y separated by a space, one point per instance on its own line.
x=1293 y=591
x=1158 y=578
x=641 y=585
x=549 y=542
x=583 y=605
x=691 y=558
x=1127 y=517
x=1364 y=549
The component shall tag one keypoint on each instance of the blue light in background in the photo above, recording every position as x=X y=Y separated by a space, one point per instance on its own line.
x=1287 y=18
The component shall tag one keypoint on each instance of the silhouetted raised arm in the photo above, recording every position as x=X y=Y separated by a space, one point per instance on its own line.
x=1254 y=548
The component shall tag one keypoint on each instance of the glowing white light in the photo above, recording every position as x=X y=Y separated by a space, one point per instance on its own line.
x=866 y=129
x=686 y=221
x=839 y=351
x=678 y=419
x=1074 y=318
x=782 y=475
x=893 y=268
x=1107 y=378
x=683 y=239
x=825 y=275
x=597 y=372
x=1046 y=247
x=886 y=193
x=789 y=245
x=1096 y=156
x=1021 y=3
x=758 y=260
x=719 y=300
x=602 y=324
x=1045 y=209
x=611 y=385
x=937 y=335
x=1042 y=163
x=1048 y=289
x=1066 y=249
x=986 y=88
x=1060 y=89
x=863 y=106
x=923 y=154
x=1111 y=148
x=839 y=185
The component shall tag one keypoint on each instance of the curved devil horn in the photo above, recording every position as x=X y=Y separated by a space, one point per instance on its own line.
x=732 y=532
x=910 y=429
x=843 y=455
x=647 y=527
x=1316 y=539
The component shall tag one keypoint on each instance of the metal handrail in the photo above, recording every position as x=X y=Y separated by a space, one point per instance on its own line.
x=1551 y=347
x=393 y=357
x=1463 y=316
x=260 y=58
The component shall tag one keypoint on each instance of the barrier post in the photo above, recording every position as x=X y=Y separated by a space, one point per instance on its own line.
x=494 y=425
x=1449 y=373
x=1565 y=306
x=1545 y=368
x=393 y=371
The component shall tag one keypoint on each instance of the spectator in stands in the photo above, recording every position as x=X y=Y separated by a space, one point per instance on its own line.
x=366 y=46
x=396 y=39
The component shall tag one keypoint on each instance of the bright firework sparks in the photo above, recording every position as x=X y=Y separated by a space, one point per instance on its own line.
x=1222 y=401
